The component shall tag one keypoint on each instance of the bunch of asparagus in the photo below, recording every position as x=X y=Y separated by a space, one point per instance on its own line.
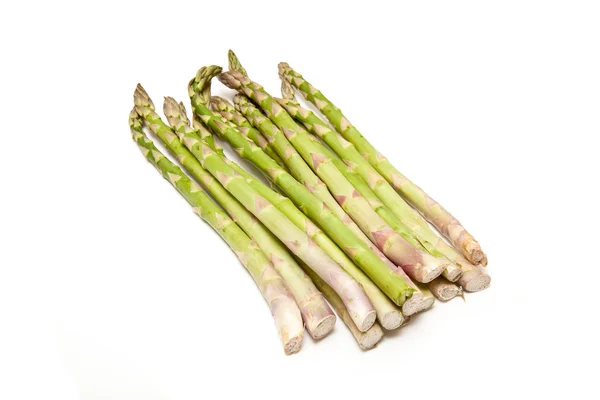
x=348 y=231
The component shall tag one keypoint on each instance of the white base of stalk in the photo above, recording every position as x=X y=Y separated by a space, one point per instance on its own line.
x=431 y=269
x=371 y=337
x=416 y=304
x=444 y=290
x=293 y=345
x=323 y=328
x=392 y=320
x=474 y=281
x=367 y=322
x=452 y=272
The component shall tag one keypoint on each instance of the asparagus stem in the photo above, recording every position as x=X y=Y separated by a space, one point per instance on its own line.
x=417 y=264
x=295 y=239
x=318 y=317
x=391 y=284
x=366 y=340
x=283 y=308
x=364 y=183
x=444 y=290
x=449 y=226
x=410 y=306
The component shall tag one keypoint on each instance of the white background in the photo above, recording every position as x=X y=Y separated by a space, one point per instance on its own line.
x=110 y=288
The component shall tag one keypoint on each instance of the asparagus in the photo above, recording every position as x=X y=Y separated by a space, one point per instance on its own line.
x=226 y=110
x=318 y=317
x=366 y=340
x=418 y=265
x=283 y=308
x=295 y=239
x=391 y=284
x=417 y=302
x=444 y=290
x=449 y=226
x=387 y=313
x=366 y=183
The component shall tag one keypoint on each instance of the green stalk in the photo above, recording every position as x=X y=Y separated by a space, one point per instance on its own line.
x=418 y=265
x=365 y=185
x=449 y=226
x=391 y=284
x=387 y=313
x=318 y=317
x=292 y=237
x=283 y=307
x=366 y=340
x=413 y=305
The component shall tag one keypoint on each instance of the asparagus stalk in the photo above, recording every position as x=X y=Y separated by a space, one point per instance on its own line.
x=283 y=308
x=391 y=284
x=366 y=340
x=449 y=226
x=318 y=317
x=387 y=313
x=365 y=183
x=444 y=290
x=418 y=265
x=413 y=305
x=295 y=239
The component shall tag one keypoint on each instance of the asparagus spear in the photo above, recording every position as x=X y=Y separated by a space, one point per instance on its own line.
x=316 y=313
x=449 y=226
x=413 y=305
x=387 y=313
x=418 y=265
x=283 y=308
x=444 y=290
x=366 y=340
x=367 y=182
x=391 y=284
x=295 y=239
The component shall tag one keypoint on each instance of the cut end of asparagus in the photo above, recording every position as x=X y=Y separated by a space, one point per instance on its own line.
x=477 y=283
x=474 y=253
x=452 y=272
x=371 y=337
x=392 y=320
x=416 y=304
x=367 y=322
x=444 y=290
x=323 y=328
x=432 y=268
x=293 y=345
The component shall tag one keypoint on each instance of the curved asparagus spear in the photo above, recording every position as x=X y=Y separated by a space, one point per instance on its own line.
x=418 y=265
x=367 y=183
x=391 y=284
x=296 y=240
x=316 y=313
x=429 y=208
x=366 y=340
x=283 y=308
